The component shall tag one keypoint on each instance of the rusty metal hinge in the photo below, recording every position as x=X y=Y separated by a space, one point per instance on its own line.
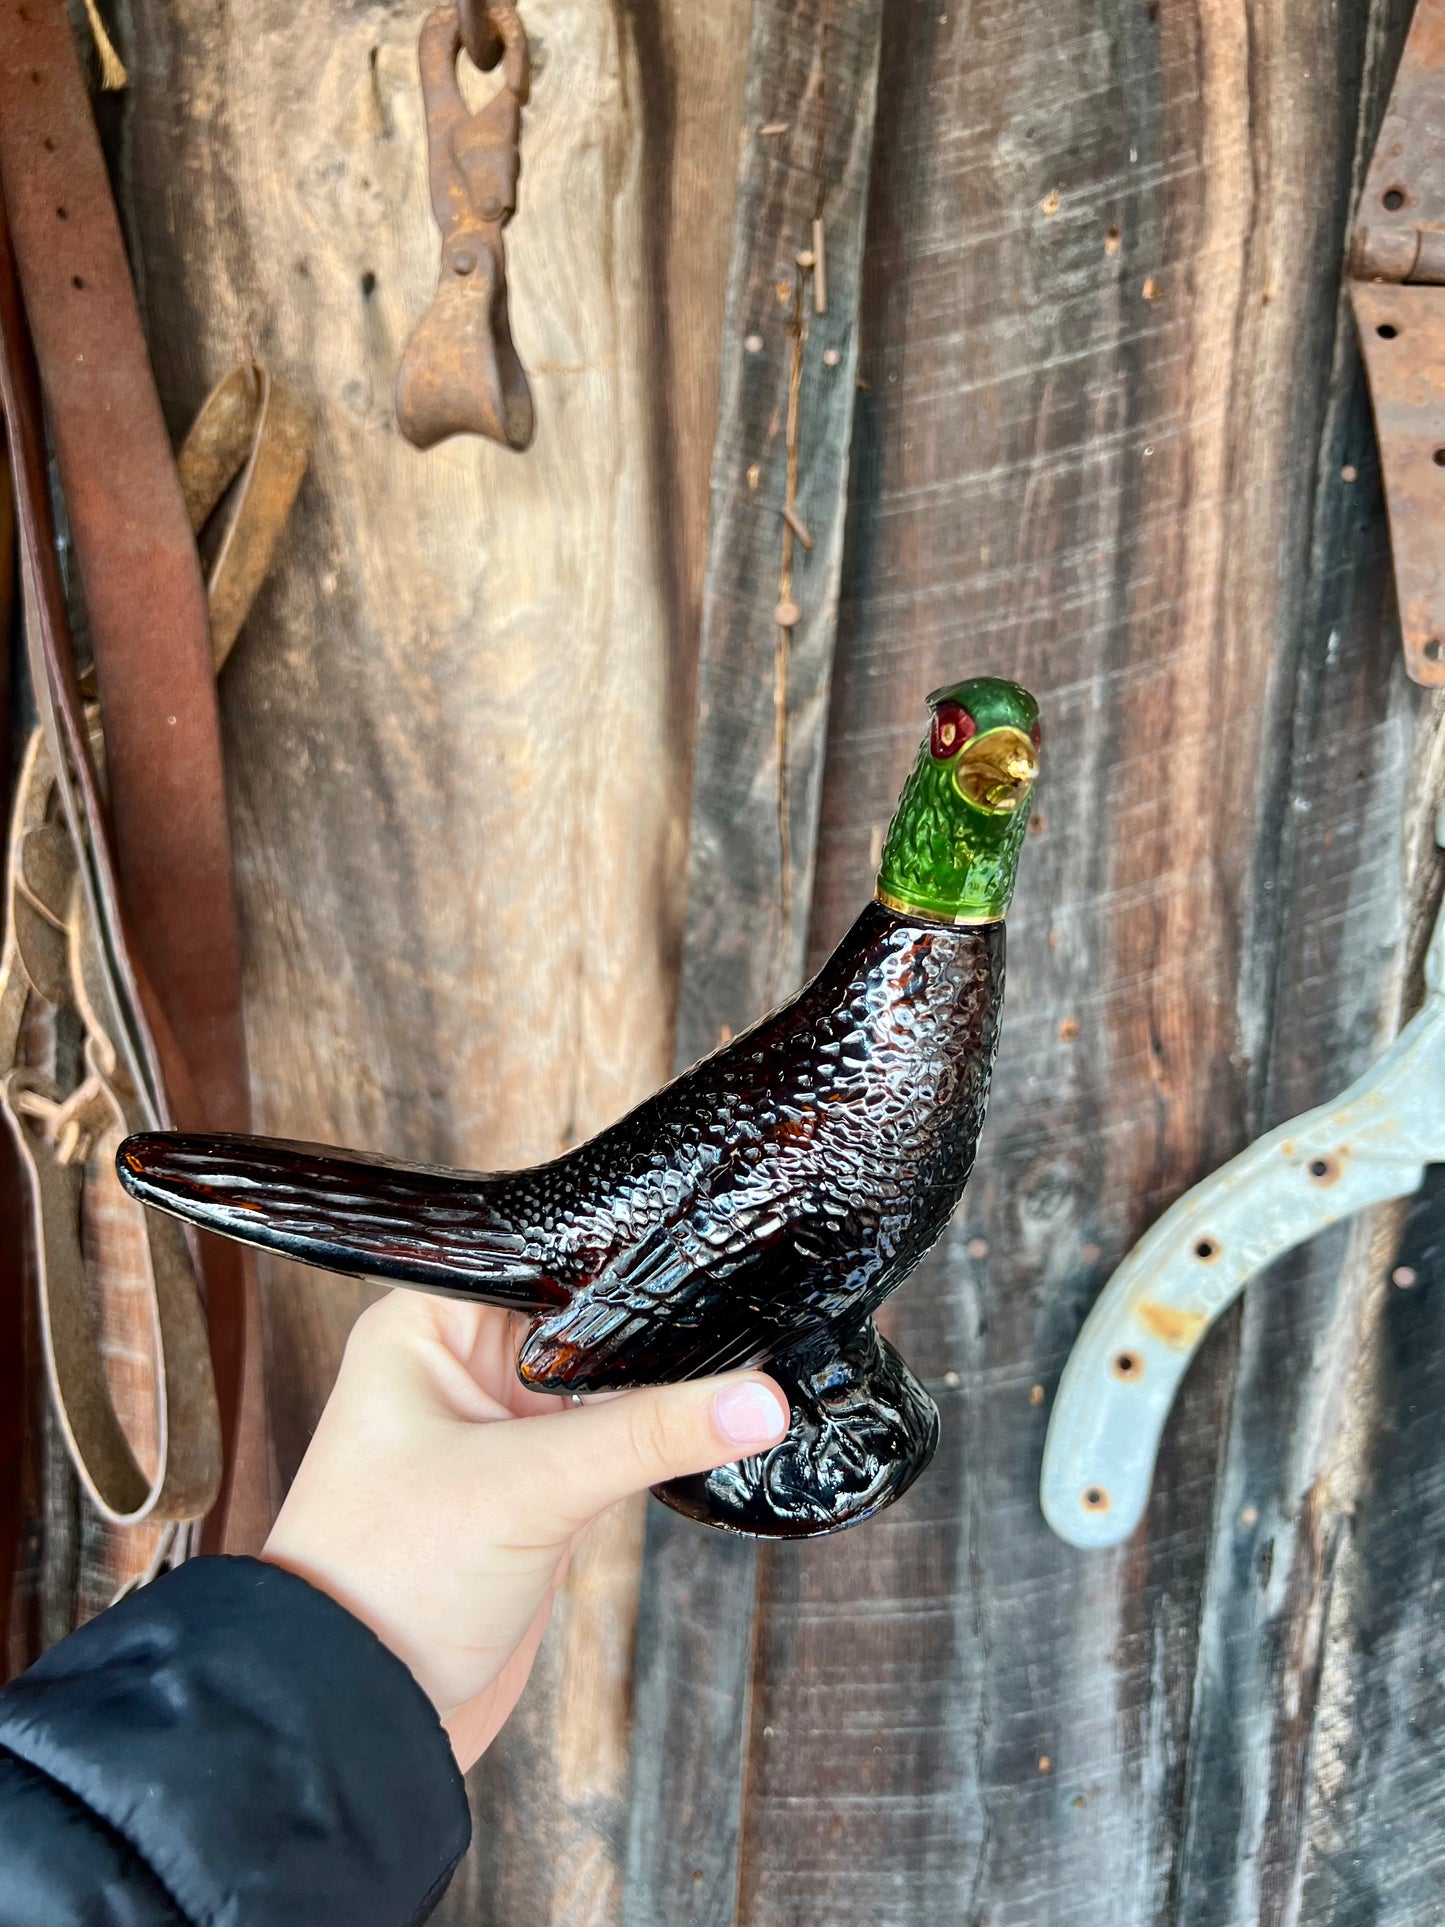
x=1397 y=289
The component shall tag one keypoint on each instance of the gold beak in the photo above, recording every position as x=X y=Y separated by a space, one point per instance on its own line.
x=996 y=771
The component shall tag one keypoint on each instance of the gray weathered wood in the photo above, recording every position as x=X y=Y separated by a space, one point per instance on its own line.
x=1110 y=395
x=807 y=140
x=783 y=432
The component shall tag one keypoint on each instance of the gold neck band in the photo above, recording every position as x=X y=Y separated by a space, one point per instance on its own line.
x=902 y=909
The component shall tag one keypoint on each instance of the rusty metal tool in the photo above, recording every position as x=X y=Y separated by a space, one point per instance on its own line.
x=1367 y=1145
x=459 y=371
x=1397 y=289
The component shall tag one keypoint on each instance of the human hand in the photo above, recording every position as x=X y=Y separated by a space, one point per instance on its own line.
x=439 y=1498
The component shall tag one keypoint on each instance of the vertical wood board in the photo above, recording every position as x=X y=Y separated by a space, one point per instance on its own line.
x=456 y=722
x=783 y=432
x=1109 y=395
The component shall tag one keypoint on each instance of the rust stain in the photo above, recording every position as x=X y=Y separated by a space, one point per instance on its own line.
x=1175 y=1327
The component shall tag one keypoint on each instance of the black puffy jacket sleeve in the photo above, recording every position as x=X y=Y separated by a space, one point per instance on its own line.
x=226 y=1748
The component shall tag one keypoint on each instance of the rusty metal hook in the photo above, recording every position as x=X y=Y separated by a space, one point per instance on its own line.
x=459 y=371
x=490 y=34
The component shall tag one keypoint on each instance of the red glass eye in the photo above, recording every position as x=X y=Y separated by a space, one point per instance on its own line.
x=952 y=727
x=1038 y=735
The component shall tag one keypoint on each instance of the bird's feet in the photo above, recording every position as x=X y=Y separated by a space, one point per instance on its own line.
x=863 y=1429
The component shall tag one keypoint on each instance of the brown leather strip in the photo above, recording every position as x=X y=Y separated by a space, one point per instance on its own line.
x=135 y=554
x=12 y=1202
x=146 y=606
x=51 y=953
x=147 y=1044
x=139 y=1023
x=252 y=427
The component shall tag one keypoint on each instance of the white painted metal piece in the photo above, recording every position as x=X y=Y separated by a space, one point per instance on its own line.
x=1373 y=1142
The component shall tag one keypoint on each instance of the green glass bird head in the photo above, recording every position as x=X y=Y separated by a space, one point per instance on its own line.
x=953 y=846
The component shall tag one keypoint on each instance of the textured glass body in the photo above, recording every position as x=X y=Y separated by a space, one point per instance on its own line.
x=756 y=1210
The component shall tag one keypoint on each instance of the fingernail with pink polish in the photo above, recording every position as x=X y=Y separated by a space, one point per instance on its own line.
x=749 y=1414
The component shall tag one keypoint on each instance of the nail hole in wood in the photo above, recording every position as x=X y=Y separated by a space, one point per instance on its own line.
x=76 y=281
x=1387 y=331
x=1393 y=199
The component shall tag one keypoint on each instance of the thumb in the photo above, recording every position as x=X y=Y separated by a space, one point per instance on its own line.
x=566 y=1467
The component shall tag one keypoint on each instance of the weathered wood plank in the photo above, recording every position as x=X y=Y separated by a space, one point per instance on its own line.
x=1101 y=323
x=455 y=725
x=1279 y=1823
x=783 y=434
x=784 y=430
x=1110 y=396
x=1375 y=1846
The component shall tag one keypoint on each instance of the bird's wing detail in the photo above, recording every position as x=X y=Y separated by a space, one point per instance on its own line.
x=710 y=1291
x=368 y=1217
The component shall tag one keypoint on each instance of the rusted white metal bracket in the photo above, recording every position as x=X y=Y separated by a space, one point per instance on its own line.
x=1397 y=288
x=1372 y=1143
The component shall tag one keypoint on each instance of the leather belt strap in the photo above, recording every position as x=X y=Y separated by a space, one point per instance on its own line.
x=51 y=952
x=135 y=554
x=146 y=607
x=13 y=1294
x=250 y=428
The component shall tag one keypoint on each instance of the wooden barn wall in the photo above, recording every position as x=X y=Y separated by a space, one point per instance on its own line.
x=784 y=435
x=1111 y=439
x=1109 y=436
x=457 y=725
